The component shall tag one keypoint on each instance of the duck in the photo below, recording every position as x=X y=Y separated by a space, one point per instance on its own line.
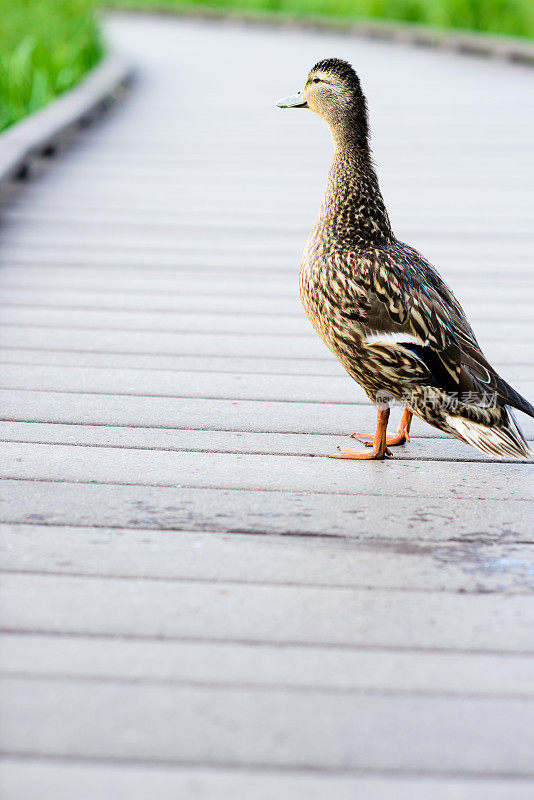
x=382 y=309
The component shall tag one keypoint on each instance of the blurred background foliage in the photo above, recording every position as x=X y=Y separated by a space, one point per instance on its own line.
x=511 y=17
x=47 y=45
x=45 y=48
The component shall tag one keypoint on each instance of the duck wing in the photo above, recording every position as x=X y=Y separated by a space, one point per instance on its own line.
x=403 y=303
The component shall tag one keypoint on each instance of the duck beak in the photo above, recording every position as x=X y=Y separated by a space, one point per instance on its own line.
x=295 y=101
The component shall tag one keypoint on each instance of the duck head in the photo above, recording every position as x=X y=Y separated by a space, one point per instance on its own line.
x=334 y=92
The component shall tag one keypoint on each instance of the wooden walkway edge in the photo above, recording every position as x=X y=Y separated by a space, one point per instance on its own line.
x=44 y=131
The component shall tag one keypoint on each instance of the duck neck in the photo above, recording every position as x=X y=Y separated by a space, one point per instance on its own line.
x=353 y=207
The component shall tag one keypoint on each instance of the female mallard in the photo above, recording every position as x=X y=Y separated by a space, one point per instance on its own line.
x=381 y=307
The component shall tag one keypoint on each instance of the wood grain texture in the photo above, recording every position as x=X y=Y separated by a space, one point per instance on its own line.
x=23 y=778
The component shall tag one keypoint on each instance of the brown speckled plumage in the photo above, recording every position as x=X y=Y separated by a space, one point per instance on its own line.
x=380 y=307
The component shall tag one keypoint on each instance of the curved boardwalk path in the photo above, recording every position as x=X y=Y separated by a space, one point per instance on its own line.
x=193 y=605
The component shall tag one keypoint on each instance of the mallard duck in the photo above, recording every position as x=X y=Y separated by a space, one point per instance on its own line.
x=381 y=307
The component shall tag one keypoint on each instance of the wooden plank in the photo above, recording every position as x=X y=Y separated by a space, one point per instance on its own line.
x=266 y=666
x=250 y=559
x=497 y=480
x=252 y=511
x=25 y=778
x=273 y=728
x=202 y=363
x=302 y=346
x=254 y=613
x=183 y=384
x=106 y=436
x=221 y=414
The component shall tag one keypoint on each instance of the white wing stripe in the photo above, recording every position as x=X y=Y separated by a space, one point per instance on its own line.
x=394 y=338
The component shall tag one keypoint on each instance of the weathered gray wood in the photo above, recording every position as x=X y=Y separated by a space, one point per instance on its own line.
x=240 y=511
x=182 y=384
x=255 y=613
x=498 y=481
x=431 y=448
x=267 y=559
x=302 y=346
x=202 y=363
x=264 y=665
x=24 y=778
x=268 y=728
x=341 y=419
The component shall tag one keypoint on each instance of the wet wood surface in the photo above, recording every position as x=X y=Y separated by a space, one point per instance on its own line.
x=195 y=602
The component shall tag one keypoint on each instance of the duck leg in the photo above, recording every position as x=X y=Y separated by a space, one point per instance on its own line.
x=379 y=445
x=392 y=439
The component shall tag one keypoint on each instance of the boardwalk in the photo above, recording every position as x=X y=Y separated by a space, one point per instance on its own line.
x=193 y=604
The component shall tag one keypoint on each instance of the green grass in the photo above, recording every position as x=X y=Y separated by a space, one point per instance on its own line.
x=511 y=17
x=45 y=48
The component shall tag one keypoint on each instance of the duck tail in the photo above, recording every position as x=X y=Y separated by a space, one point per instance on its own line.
x=504 y=440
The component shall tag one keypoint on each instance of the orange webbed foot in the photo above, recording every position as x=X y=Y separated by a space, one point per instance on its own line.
x=376 y=453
